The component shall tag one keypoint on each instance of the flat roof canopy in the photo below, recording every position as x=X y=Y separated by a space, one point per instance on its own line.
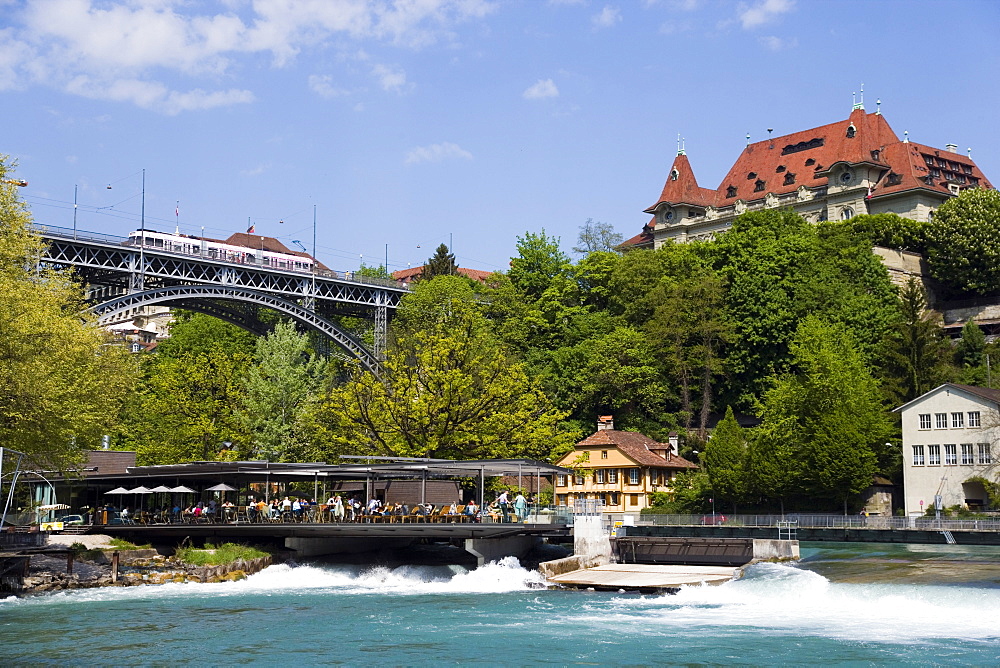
x=381 y=467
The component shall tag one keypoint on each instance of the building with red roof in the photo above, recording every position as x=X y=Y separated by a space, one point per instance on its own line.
x=618 y=469
x=833 y=172
x=413 y=274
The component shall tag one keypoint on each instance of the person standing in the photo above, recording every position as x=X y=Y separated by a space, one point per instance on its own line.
x=520 y=507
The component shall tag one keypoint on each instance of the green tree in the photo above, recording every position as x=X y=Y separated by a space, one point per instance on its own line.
x=285 y=376
x=447 y=388
x=970 y=355
x=963 y=242
x=539 y=261
x=596 y=236
x=914 y=352
x=888 y=230
x=62 y=379
x=442 y=263
x=373 y=272
x=827 y=411
x=725 y=459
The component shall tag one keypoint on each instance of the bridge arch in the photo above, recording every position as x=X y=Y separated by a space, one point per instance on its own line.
x=206 y=298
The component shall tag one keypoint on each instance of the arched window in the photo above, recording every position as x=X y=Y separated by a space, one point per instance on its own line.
x=674 y=174
x=846 y=213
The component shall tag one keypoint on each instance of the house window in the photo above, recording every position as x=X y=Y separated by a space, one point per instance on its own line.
x=560 y=499
x=613 y=499
x=731 y=191
x=561 y=480
x=950 y=455
x=851 y=131
x=789 y=179
x=918 y=455
x=974 y=419
x=985 y=457
x=604 y=454
x=599 y=476
x=751 y=176
x=810 y=161
x=758 y=186
x=613 y=476
x=940 y=420
x=958 y=420
x=925 y=420
x=846 y=213
x=578 y=479
x=633 y=476
x=934 y=455
x=967 y=453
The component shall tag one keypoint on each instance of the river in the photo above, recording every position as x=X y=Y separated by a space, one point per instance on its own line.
x=842 y=604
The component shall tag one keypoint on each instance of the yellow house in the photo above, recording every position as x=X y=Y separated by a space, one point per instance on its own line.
x=619 y=469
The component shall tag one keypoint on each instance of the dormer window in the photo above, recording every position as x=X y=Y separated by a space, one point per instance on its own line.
x=780 y=169
x=731 y=191
x=894 y=179
x=674 y=174
x=876 y=154
x=809 y=162
x=751 y=176
x=758 y=186
x=851 y=131
x=789 y=179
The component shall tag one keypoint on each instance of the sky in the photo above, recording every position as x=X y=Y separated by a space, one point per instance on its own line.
x=405 y=124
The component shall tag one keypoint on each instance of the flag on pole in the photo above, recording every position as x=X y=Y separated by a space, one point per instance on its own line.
x=250 y=230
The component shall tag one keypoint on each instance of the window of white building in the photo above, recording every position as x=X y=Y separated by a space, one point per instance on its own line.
x=951 y=454
x=985 y=456
x=933 y=455
x=940 y=420
x=918 y=455
x=974 y=419
x=925 y=420
x=958 y=420
x=967 y=453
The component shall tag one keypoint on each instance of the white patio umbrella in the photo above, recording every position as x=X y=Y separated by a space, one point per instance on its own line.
x=221 y=487
x=140 y=490
x=181 y=489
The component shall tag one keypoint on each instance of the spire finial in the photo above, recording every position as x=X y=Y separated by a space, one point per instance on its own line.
x=878 y=107
x=855 y=103
x=680 y=144
x=968 y=152
x=906 y=136
x=748 y=139
x=683 y=148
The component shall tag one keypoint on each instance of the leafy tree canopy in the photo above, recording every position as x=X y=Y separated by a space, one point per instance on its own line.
x=442 y=263
x=62 y=379
x=963 y=242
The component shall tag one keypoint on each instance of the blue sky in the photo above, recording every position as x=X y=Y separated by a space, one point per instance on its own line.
x=407 y=121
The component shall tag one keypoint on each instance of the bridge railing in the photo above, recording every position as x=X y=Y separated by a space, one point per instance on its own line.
x=813 y=521
x=80 y=235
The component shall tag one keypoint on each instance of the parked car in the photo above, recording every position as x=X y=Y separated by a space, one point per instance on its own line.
x=71 y=520
x=713 y=519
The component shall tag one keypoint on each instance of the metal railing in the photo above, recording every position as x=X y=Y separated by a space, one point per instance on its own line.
x=817 y=521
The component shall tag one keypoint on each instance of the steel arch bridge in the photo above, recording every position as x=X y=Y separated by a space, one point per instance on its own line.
x=123 y=275
x=206 y=298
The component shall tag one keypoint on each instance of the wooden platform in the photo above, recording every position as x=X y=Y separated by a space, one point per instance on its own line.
x=644 y=577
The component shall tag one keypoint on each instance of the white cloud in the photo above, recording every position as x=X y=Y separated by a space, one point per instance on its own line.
x=129 y=50
x=773 y=43
x=323 y=86
x=608 y=17
x=437 y=153
x=390 y=78
x=764 y=11
x=256 y=171
x=542 y=89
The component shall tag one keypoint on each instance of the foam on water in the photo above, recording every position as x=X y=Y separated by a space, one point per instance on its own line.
x=502 y=576
x=779 y=598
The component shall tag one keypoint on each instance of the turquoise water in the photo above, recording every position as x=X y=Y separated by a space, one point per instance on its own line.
x=820 y=612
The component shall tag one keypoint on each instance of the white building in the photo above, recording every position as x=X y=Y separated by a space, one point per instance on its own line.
x=950 y=439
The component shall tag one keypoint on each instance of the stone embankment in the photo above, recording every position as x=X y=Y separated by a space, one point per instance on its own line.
x=136 y=567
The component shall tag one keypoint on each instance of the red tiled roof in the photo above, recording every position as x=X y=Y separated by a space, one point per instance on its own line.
x=260 y=242
x=637 y=447
x=773 y=160
x=642 y=240
x=414 y=273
